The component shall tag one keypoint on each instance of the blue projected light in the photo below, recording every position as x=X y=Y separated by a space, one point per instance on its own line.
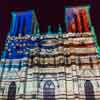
x=14 y=25
x=16 y=50
x=21 y=23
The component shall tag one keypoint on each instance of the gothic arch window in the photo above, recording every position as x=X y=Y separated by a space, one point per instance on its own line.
x=89 y=91
x=49 y=90
x=12 y=91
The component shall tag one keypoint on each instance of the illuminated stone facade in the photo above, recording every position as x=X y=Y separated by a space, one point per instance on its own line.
x=51 y=66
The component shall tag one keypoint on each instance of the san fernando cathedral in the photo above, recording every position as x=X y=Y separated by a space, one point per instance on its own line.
x=51 y=65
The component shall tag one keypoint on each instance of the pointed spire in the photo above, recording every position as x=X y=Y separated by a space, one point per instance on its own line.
x=60 y=31
x=34 y=22
x=59 y=28
x=37 y=29
x=49 y=28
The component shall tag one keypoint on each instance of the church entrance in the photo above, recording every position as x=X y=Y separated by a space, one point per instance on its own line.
x=49 y=90
x=12 y=91
x=89 y=91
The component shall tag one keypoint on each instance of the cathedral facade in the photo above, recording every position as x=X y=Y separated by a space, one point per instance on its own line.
x=51 y=65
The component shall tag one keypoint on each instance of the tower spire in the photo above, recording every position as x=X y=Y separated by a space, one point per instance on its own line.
x=37 y=29
x=59 y=28
x=49 y=28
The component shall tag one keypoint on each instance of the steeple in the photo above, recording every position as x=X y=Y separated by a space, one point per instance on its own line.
x=37 y=29
x=49 y=29
x=37 y=32
x=59 y=28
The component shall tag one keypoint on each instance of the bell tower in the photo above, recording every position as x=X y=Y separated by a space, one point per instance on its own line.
x=77 y=19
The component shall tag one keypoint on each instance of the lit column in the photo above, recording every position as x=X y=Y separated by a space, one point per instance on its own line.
x=79 y=25
x=71 y=24
x=69 y=27
x=75 y=81
x=21 y=23
x=14 y=24
x=85 y=20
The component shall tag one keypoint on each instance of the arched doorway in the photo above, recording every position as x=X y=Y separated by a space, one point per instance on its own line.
x=12 y=91
x=49 y=90
x=89 y=91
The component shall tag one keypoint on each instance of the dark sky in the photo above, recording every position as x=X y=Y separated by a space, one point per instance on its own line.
x=47 y=11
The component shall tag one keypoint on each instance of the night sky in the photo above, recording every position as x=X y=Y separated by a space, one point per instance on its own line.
x=48 y=12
